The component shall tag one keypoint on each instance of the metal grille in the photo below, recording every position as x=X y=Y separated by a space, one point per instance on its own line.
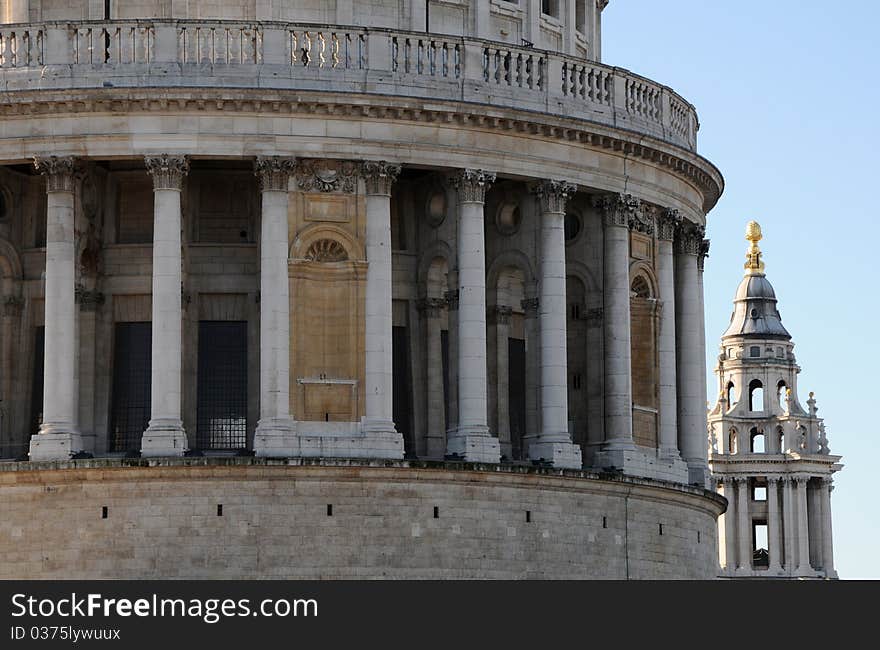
x=132 y=363
x=221 y=419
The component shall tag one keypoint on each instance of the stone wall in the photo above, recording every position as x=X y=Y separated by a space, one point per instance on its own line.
x=388 y=520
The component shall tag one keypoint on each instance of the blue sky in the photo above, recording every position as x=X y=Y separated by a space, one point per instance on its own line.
x=788 y=94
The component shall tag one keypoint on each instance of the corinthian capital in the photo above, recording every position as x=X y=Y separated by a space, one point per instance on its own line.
x=60 y=172
x=553 y=195
x=273 y=172
x=704 y=253
x=689 y=238
x=167 y=170
x=667 y=222
x=379 y=176
x=618 y=209
x=472 y=185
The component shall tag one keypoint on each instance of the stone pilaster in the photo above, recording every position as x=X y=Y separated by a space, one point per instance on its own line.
x=275 y=434
x=553 y=444
x=377 y=422
x=471 y=440
x=803 y=529
x=432 y=310
x=59 y=437
x=690 y=360
x=165 y=435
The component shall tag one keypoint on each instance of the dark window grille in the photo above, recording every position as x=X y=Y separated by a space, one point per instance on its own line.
x=221 y=413
x=37 y=379
x=132 y=363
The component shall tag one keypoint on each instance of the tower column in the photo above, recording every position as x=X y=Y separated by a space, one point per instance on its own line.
x=275 y=433
x=378 y=420
x=773 y=537
x=165 y=435
x=788 y=524
x=827 y=535
x=553 y=444
x=803 y=530
x=668 y=438
x=59 y=437
x=618 y=211
x=690 y=353
x=471 y=440
x=744 y=524
x=729 y=523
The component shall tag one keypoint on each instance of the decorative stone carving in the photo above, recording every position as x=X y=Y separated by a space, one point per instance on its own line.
x=689 y=238
x=823 y=439
x=472 y=184
x=273 y=172
x=553 y=195
x=667 y=223
x=643 y=219
x=168 y=171
x=500 y=314
x=326 y=176
x=13 y=305
x=60 y=172
x=703 y=254
x=618 y=209
x=326 y=250
x=530 y=307
x=594 y=317
x=379 y=176
x=88 y=300
x=431 y=307
x=451 y=298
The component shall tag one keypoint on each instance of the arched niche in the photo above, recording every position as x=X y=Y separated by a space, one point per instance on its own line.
x=644 y=360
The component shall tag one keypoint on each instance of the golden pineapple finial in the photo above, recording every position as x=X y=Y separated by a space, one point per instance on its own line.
x=754 y=265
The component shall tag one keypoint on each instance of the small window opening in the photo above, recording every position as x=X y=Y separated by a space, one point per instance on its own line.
x=575 y=311
x=732 y=441
x=760 y=547
x=759 y=493
x=755 y=351
x=436 y=512
x=104 y=512
x=731 y=394
x=781 y=391
x=576 y=381
x=699 y=538
x=661 y=528
x=604 y=522
x=780 y=436
x=756 y=436
x=756 y=395
x=329 y=509
x=219 y=509
x=528 y=516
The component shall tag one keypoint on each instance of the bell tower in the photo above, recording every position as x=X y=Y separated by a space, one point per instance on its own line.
x=768 y=454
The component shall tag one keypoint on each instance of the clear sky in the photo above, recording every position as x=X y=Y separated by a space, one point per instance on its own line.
x=788 y=94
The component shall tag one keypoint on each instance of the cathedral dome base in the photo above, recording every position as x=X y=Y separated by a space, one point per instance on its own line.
x=204 y=518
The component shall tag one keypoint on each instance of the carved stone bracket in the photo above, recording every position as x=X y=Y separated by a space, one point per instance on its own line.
x=667 y=223
x=88 y=300
x=273 y=172
x=60 y=172
x=168 y=171
x=451 y=298
x=379 y=176
x=432 y=307
x=618 y=209
x=704 y=253
x=500 y=314
x=326 y=176
x=13 y=306
x=553 y=195
x=472 y=184
x=530 y=307
x=594 y=317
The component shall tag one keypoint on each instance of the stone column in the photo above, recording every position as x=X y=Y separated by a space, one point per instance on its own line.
x=59 y=436
x=275 y=434
x=471 y=439
x=553 y=444
x=18 y=11
x=788 y=535
x=827 y=535
x=530 y=306
x=432 y=312
x=668 y=438
x=803 y=531
x=743 y=524
x=690 y=354
x=500 y=318
x=165 y=435
x=773 y=533
x=378 y=421
x=619 y=210
x=730 y=526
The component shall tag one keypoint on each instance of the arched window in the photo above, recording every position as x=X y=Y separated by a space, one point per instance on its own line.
x=756 y=395
x=731 y=441
x=756 y=441
x=780 y=438
x=731 y=394
x=781 y=390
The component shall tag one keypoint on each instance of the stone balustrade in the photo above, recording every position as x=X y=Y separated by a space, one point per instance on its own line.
x=286 y=56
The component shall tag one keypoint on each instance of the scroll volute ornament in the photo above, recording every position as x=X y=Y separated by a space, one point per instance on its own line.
x=553 y=195
x=273 y=172
x=167 y=170
x=618 y=209
x=379 y=176
x=60 y=172
x=472 y=184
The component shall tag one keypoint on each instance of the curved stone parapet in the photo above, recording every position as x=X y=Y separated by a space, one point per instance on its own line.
x=300 y=519
x=309 y=57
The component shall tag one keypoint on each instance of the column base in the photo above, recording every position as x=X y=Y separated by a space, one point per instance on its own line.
x=164 y=437
x=473 y=445
x=55 y=442
x=642 y=461
x=276 y=438
x=559 y=454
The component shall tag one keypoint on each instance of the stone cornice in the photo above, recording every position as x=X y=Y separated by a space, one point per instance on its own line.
x=60 y=172
x=273 y=172
x=167 y=170
x=379 y=176
x=687 y=165
x=472 y=184
x=553 y=195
